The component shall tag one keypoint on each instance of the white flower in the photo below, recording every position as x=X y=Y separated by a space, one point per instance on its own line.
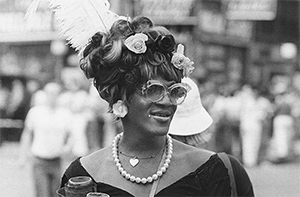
x=188 y=68
x=180 y=61
x=136 y=43
x=119 y=109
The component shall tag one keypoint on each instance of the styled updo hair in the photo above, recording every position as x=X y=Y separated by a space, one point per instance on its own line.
x=117 y=71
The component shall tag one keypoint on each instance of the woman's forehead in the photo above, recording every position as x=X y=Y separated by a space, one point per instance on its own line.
x=163 y=80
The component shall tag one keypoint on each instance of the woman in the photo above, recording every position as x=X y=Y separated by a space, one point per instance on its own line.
x=138 y=72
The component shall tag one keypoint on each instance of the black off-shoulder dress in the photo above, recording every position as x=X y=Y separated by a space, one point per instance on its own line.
x=209 y=179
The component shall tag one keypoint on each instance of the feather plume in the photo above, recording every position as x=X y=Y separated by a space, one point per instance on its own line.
x=32 y=8
x=79 y=20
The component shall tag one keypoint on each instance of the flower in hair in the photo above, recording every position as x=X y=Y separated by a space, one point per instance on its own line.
x=165 y=44
x=137 y=43
x=119 y=109
x=188 y=68
x=180 y=61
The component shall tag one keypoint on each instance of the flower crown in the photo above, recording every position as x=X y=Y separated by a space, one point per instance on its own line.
x=140 y=42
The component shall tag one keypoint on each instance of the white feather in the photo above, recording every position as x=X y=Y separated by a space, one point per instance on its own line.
x=79 y=20
x=32 y=8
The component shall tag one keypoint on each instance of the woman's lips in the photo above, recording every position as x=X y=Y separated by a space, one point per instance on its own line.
x=161 y=115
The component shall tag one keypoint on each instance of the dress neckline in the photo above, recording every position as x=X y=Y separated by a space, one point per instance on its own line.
x=215 y=155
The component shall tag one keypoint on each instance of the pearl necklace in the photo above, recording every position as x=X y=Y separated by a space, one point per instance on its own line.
x=155 y=176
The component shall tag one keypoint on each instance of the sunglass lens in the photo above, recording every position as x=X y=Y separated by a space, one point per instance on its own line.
x=155 y=92
x=178 y=95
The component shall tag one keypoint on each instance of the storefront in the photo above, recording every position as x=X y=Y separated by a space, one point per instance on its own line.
x=27 y=60
x=224 y=46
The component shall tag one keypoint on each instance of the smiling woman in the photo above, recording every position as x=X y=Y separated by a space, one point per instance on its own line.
x=137 y=68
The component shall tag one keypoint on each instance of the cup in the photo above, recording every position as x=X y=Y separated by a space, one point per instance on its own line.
x=79 y=186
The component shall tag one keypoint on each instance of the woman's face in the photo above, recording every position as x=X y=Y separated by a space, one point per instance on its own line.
x=148 y=116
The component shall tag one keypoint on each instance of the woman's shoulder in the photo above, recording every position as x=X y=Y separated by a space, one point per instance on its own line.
x=98 y=156
x=189 y=159
x=192 y=154
x=98 y=161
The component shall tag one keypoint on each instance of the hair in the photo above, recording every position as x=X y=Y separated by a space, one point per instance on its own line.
x=116 y=71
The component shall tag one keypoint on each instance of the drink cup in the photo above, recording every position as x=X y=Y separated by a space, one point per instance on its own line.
x=79 y=186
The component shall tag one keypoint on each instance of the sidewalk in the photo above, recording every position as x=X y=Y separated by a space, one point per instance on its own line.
x=14 y=181
x=282 y=180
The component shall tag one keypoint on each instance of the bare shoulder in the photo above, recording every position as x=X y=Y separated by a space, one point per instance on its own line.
x=191 y=155
x=98 y=160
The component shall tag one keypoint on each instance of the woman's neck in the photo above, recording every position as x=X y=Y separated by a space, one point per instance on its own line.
x=139 y=144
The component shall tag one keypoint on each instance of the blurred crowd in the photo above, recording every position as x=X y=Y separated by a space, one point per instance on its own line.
x=91 y=126
x=251 y=124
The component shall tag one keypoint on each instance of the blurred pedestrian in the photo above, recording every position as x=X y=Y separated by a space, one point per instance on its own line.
x=102 y=126
x=254 y=111
x=283 y=129
x=75 y=98
x=45 y=139
x=226 y=114
x=191 y=120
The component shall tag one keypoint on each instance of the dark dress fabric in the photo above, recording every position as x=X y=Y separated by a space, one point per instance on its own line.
x=209 y=179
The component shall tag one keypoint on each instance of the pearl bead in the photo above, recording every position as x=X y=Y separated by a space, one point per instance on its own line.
x=144 y=180
x=159 y=173
x=155 y=177
x=138 y=180
x=149 y=179
x=132 y=178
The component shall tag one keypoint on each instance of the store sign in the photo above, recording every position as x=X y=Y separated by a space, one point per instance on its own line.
x=241 y=29
x=212 y=22
x=171 y=10
x=251 y=9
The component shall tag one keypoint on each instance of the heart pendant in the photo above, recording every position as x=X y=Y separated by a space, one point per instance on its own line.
x=134 y=161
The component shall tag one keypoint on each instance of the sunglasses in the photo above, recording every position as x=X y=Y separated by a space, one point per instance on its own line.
x=155 y=91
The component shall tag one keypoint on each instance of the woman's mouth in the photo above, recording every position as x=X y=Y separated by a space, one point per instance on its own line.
x=161 y=116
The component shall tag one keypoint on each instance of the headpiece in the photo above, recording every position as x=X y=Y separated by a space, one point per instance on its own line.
x=114 y=46
x=79 y=20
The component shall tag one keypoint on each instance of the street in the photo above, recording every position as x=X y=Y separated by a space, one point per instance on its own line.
x=269 y=180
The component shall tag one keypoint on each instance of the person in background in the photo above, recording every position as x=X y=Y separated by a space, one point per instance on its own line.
x=254 y=111
x=283 y=128
x=226 y=114
x=74 y=98
x=102 y=128
x=191 y=121
x=137 y=68
x=45 y=140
